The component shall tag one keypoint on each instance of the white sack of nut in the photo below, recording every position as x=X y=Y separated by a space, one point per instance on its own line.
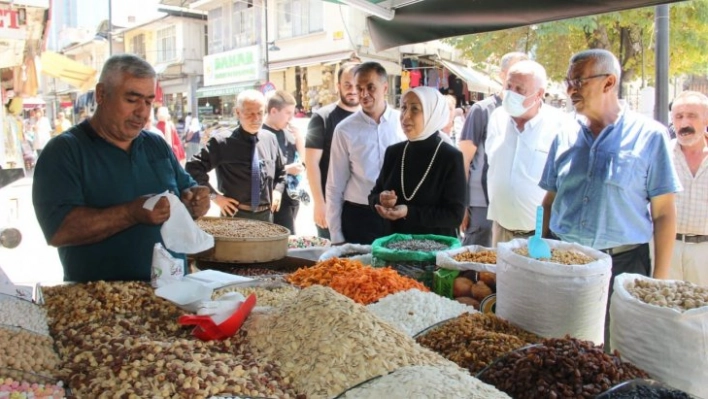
x=553 y=299
x=662 y=327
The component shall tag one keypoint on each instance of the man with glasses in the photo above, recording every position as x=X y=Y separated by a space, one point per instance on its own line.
x=611 y=184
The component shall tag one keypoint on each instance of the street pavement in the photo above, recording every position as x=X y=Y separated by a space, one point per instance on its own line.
x=34 y=261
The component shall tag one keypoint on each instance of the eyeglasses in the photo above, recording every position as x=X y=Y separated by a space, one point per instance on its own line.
x=578 y=82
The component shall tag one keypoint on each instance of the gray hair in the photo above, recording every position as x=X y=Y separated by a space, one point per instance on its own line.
x=250 y=95
x=533 y=68
x=605 y=61
x=120 y=64
x=692 y=97
x=510 y=58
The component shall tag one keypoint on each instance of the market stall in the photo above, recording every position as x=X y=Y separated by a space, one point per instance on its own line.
x=326 y=329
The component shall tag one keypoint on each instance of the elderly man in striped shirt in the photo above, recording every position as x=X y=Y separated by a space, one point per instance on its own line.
x=689 y=115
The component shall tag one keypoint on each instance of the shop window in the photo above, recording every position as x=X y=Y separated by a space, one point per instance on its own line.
x=243 y=24
x=166 y=44
x=216 y=34
x=138 y=45
x=299 y=17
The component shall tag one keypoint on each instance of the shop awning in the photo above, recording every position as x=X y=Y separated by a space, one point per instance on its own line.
x=476 y=81
x=305 y=61
x=230 y=89
x=65 y=69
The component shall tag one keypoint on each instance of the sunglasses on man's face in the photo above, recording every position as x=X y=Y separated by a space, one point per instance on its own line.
x=578 y=82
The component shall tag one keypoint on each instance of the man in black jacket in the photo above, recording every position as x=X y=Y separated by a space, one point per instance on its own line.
x=249 y=165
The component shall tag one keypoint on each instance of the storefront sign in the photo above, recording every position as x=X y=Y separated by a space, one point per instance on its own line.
x=233 y=66
x=10 y=25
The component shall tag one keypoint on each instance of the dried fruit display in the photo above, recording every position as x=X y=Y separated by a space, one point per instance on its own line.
x=473 y=341
x=559 y=368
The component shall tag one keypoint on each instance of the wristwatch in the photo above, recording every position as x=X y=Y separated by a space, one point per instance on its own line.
x=212 y=196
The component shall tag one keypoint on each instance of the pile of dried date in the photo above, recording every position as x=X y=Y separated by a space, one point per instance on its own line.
x=559 y=368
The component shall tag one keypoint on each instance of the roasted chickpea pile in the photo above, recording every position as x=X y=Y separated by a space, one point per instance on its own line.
x=561 y=256
x=489 y=257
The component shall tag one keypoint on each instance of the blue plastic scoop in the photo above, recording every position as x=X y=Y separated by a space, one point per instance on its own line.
x=537 y=247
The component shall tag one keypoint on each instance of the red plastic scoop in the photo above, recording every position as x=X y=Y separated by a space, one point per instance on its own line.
x=205 y=328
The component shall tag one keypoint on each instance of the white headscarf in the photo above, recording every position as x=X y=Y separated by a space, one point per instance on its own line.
x=436 y=113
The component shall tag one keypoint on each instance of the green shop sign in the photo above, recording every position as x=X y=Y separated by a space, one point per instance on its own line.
x=239 y=65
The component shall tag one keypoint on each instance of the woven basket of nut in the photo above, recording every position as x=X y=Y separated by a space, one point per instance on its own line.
x=244 y=241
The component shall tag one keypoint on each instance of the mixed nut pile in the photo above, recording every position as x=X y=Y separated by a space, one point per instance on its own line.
x=140 y=353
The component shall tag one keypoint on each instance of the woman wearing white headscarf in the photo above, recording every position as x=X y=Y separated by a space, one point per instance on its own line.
x=421 y=187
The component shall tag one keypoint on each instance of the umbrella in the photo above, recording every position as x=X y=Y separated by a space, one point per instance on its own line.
x=427 y=20
x=72 y=72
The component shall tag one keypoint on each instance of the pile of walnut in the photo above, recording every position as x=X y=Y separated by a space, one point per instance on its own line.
x=679 y=295
x=120 y=340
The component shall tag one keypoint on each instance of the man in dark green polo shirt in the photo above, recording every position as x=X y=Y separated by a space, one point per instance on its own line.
x=92 y=181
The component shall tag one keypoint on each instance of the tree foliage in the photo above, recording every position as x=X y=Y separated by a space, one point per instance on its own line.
x=628 y=34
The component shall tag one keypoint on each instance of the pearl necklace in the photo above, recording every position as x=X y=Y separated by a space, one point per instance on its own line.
x=403 y=166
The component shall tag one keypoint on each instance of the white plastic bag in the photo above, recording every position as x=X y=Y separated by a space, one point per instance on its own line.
x=550 y=299
x=340 y=251
x=166 y=269
x=670 y=345
x=446 y=260
x=180 y=233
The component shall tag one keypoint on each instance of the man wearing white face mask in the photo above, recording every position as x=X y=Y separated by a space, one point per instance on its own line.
x=519 y=136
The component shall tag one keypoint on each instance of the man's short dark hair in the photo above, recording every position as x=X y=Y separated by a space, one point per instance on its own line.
x=120 y=64
x=346 y=67
x=372 y=66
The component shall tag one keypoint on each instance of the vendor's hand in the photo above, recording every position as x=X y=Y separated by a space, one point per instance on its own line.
x=228 y=206
x=465 y=220
x=294 y=168
x=319 y=212
x=158 y=215
x=275 y=205
x=395 y=213
x=196 y=199
x=388 y=199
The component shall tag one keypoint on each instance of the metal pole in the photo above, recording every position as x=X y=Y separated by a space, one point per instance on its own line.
x=661 y=95
x=265 y=45
x=110 y=27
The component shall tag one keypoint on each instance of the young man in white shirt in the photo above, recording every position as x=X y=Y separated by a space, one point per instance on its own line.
x=357 y=153
x=519 y=136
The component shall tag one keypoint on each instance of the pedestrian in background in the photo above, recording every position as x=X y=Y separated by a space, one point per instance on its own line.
x=168 y=129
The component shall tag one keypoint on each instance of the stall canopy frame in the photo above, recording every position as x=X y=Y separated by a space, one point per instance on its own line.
x=427 y=20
